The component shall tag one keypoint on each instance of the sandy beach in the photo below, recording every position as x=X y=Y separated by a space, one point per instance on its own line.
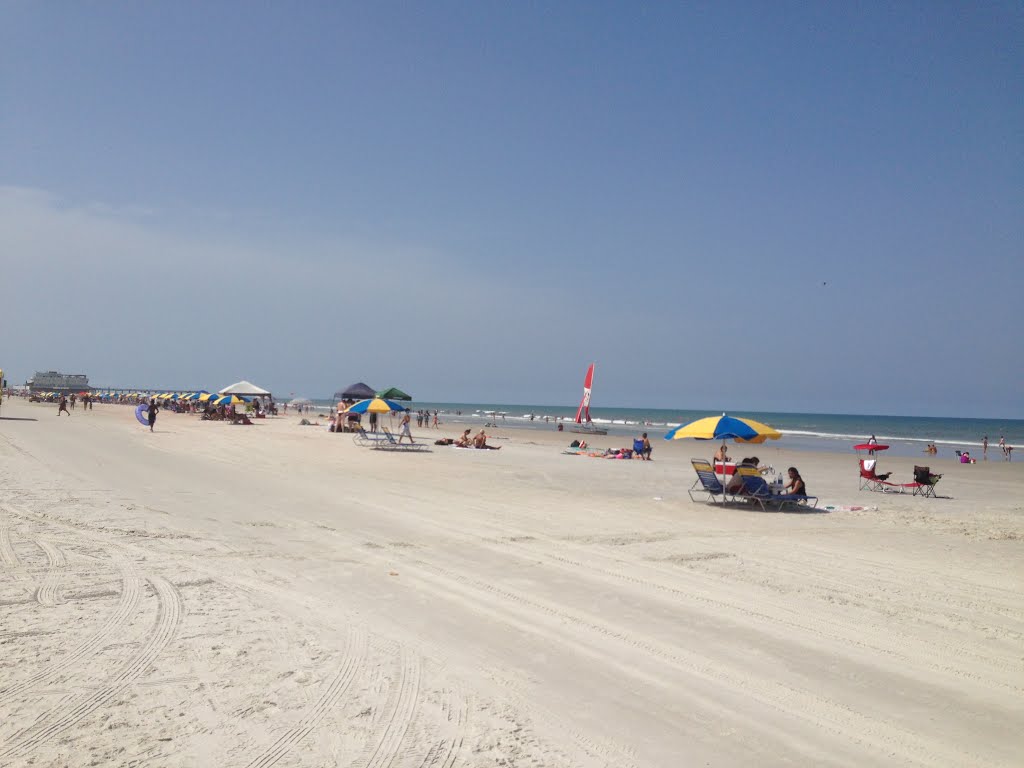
x=212 y=595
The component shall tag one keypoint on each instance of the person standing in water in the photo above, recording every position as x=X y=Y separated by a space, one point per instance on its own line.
x=152 y=413
x=984 y=448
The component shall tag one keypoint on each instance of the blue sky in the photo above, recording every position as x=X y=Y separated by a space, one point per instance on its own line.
x=474 y=200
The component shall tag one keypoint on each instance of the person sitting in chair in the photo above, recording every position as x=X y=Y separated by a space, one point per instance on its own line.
x=722 y=454
x=735 y=486
x=796 y=485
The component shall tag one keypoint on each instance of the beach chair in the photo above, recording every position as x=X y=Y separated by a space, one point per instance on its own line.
x=924 y=482
x=365 y=439
x=870 y=480
x=391 y=444
x=707 y=482
x=756 y=488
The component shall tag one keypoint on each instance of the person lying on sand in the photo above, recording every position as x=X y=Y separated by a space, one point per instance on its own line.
x=618 y=453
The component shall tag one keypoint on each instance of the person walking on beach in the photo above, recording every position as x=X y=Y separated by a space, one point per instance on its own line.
x=1002 y=445
x=437 y=424
x=152 y=413
x=63 y=406
x=872 y=441
x=72 y=400
x=984 y=448
x=403 y=428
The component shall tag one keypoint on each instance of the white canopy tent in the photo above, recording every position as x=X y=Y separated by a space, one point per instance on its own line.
x=244 y=389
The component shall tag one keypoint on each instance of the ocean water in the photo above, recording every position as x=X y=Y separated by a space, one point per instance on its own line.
x=906 y=435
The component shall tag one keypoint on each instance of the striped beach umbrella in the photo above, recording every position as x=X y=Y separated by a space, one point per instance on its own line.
x=724 y=428
x=376 y=405
x=228 y=400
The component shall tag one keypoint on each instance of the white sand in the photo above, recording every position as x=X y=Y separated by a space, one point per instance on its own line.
x=212 y=595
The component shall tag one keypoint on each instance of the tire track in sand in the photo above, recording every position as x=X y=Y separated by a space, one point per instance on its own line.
x=390 y=743
x=56 y=722
x=352 y=665
x=48 y=594
x=822 y=713
x=8 y=557
x=130 y=592
x=445 y=753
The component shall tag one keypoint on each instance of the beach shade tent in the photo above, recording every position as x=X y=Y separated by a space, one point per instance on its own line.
x=724 y=428
x=245 y=389
x=394 y=393
x=376 y=405
x=358 y=391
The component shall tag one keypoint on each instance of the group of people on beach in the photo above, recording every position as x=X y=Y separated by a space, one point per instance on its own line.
x=423 y=419
x=1006 y=449
x=66 y=404
x=468 y=440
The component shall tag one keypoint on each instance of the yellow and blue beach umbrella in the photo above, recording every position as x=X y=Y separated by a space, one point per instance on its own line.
x=376 y=405
x=725 y=428
x=228 y=400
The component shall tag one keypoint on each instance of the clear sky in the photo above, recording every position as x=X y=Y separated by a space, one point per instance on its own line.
x=762 y=206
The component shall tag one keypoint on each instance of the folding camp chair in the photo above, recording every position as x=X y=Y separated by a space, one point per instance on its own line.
x=924 y=482
x=869 y=480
